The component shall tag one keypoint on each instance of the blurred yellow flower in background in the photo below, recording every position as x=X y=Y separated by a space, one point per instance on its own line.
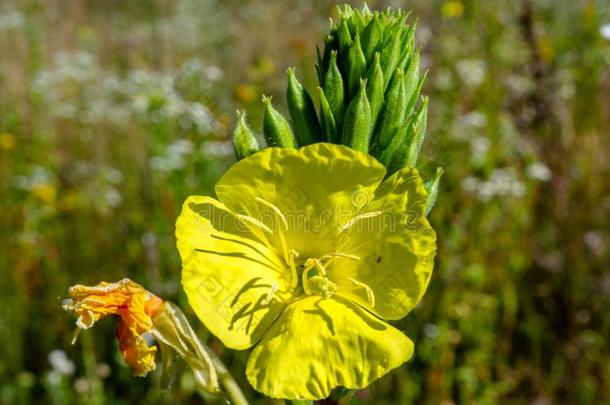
x=244 y=93
x=452 y=9
x=46 y=192
x=7 y=141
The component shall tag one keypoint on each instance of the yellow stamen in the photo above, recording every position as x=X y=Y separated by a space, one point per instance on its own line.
x=255 y=222
x=294 y=277
x=304 y=277
x=358 y=217
x=369 y=291
x=276 y=210
x=340 y=255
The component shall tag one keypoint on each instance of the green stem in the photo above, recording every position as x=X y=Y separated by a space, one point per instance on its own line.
x=228 y=382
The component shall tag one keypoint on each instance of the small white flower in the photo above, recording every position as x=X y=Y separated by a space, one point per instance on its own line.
x=539 y=171
x=472 y=71
x=604 y=31
x=61 y=363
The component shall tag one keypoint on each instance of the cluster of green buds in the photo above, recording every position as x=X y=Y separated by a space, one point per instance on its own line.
x=369 y=95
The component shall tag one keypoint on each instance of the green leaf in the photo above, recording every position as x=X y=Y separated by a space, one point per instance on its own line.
x=432 y=189
x=276 y=128
x=302 y=112
x=357 y=124
x=244 y=141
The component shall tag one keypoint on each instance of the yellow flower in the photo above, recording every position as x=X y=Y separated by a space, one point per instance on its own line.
x=244 y=93
x=133 y=304
x=303 y=254
x=452 y=9
x=7 y=141
x=45 y=192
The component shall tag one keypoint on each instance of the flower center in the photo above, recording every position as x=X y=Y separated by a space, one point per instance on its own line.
x=313 y=278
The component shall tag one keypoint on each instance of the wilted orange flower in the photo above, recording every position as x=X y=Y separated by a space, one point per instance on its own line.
x=136 y=307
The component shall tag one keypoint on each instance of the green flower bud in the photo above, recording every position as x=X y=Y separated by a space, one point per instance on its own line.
x=357 y=124
x=244 y=141
x=374 y=88
x=329 y=127
x=302 y=112
x=413 y=82
x=394 y=111
x=406 y=142
x=276 y=128
x=390 y=55
x=372 y=37
x=356 y=65
x=345 y=39
x=334 y=89
x=419 y=131
x=432 y=189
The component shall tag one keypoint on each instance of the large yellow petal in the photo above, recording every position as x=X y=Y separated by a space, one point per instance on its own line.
x=318 y=344
x=229 y=275
x=396 y=250
x=317 y=188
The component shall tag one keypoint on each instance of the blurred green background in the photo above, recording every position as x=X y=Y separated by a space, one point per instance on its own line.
x=112 y=112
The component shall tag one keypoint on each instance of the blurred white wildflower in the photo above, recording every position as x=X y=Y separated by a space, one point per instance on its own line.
x=60 y=362
x=173 y=157
x=103 y=370
x=471 y=71
x=112 y=197
x=595 y=242
x=479 y=146
x=217 y=149
x=10 y=20
x=81 y=385
x=604 y=31
x=431 y=331
x=468 y=126
x=474 y=119
x=443 y=79
x=518 y=85
x=213 y=73
x=39 y=175
x=503 y=182
x=54 y=377
x=104 y=97
x=539 y=171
